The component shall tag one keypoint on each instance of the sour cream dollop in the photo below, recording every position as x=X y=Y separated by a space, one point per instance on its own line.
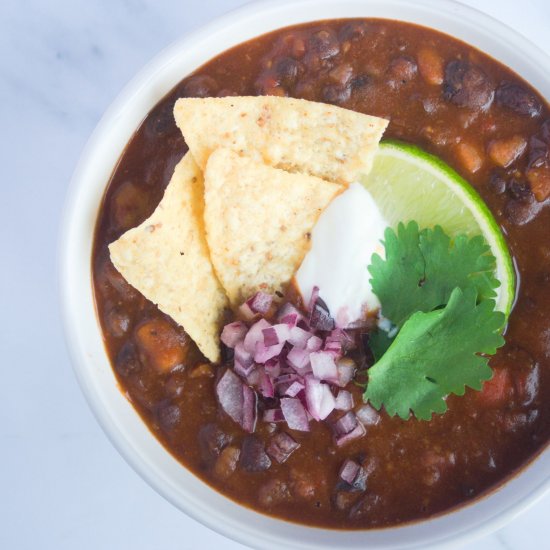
x=343 y=241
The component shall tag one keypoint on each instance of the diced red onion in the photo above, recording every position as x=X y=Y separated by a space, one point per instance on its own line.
x=242 y=356
x=314 y=343
x=299 y=337
x=250 y=409
x=287 y=378
x=319 y=398
x=313 y=298
x=320 y=318
x=323 y=366
x=368 y=415
x=294 y=389
x=295 y=414
x=346 y=371
x=354 y=475
x=284 y=381
x=229 y=391
x=241 y=370
x=264 y=353
x=349 y=470
x=281 y=447
x=255 y=335
x=233 y=333
x=289 y=315
x=344 y=401
x=276 y=334
x=266 y=385
x=345 y=424
x=298 y=358
x=334 y=347
x=273 y=368
x=357 y=432
x=260 y=302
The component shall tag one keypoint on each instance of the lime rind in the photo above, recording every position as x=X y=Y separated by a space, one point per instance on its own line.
x=460 y=208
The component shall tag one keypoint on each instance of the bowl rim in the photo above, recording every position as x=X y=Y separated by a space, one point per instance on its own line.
x=69 y=285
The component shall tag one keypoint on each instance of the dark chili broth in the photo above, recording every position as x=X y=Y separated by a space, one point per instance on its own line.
x=417 y=468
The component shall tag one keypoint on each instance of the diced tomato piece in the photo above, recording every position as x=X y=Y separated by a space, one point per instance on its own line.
x=161 y=345
x=499 y=389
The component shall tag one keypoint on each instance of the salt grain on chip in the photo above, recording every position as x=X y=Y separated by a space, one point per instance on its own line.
x=296 y=135
x=167 y=259
x=258 y=222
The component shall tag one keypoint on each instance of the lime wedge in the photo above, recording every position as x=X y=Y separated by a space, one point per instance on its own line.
x=409 y=184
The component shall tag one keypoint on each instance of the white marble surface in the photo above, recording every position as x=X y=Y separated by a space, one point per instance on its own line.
x=62 y=484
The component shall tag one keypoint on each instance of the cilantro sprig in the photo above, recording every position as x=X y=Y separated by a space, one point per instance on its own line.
x=435 y=354
x=438 y=294
x=423 y=267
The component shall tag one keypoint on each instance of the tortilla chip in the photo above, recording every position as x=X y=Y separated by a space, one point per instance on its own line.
x=166 y=258
x=258 y=222
x=293 y=134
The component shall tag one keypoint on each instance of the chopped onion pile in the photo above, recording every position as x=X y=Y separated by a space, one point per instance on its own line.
x=296 y=365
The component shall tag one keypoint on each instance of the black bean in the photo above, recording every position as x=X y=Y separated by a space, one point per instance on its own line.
x=519 y=189
x=288 y=70
x=521 y=211
x=341 y=74
x=538 y=152
x=324 y=43
x=128 y=205
x=360 y=81
x=518 y=99
x=161 y=121
x=467 y=85
x=127 y=361
x=336 y=94
x=497 y=182
x=199 y=86
x=212 y=440
x=169 y=416
x=175 y=383
x=253 y=456
x=354 y=30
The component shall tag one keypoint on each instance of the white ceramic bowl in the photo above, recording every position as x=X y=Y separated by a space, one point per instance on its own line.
x=117 y=417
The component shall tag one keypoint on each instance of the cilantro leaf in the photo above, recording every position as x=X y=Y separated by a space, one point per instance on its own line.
x=435 y=354
x=422 y=268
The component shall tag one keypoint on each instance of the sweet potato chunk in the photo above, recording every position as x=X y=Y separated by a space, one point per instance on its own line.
x=539 y=179
x=161 y=345
x=470 y=157
x=507 y=150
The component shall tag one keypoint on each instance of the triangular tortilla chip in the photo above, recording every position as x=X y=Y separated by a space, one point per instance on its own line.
x=258 y=222
x=296 y=135
x=166 y=258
